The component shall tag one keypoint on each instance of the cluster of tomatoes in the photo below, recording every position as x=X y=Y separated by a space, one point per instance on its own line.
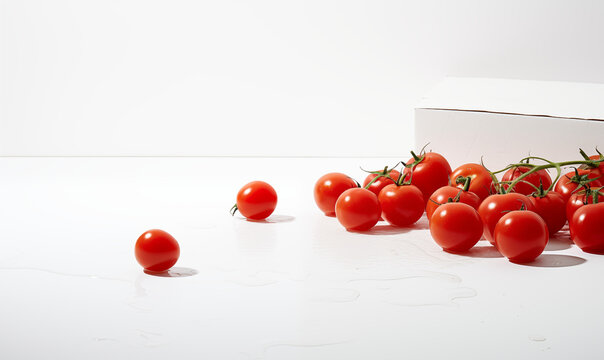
x=516 y=214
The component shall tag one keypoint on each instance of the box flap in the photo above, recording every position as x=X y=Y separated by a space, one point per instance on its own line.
x=523 y=97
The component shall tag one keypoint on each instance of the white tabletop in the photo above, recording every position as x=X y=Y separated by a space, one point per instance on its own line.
x=297 y=286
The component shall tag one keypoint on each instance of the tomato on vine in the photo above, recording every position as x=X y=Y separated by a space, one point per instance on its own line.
x=571 y=181
x=456 y=227
x=443 y=194
x=328 y=188
x=430 y=172
x=496 y=206
x=481 y=180
x=551 y=206
x=384 y=177
x=256 y=200
x=402 y=203
x=521 y=236
x=537 y=178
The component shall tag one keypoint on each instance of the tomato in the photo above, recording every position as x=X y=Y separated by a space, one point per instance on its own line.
x=600 y=169
x=402 y=205
x=577 y=201
x=156 y=250
x=328 y=188
x=552 y=208
x=587 y=225
x=380 y=183
x=256 y=200
x=456 y=227
x=536 y=178
x=521 y=236
x=568 y=183
x=358 y=209
x=430 y=174
x=481 y=184
x=496 y=205
x=443 y=194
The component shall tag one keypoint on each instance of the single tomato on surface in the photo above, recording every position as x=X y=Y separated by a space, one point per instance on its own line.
x=536 y=178
x=569 y=182
x=552 y=208
x=156 y=250
x=587 y=226
x=256 y=200
x=382 y=181
x=481 y=184
x=358 y=209
x=577 y=201
x=328 y=188
x=521 y=236
x=456 y=227
x=497 y=205
x=402 y=205
x=443 y=194
x=431 y=173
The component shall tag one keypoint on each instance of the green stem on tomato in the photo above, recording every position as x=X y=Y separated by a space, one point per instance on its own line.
x=548 y=166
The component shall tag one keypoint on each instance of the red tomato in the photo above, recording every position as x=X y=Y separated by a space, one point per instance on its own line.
x=401 y=205
x=568 y=183
x=456 y=227
x=521 y=236
x=156 y=250
x=328 y=188
x=380 y=183
x=576 y=201
x=600 y=169
x=481 y=184
x=587 y=225
x=552 y=209
x=443 y=194
x=256 y=200
x=358 y=209
x=536 y=178
x=496 y=205
x=430 y=174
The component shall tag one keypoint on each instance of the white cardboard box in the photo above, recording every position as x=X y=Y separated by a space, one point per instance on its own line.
x=503 y=121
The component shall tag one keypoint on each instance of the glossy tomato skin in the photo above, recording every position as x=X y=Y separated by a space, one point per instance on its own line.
x=430 y=174
x=328 y=188
x=541 y=176
x=358 y=209
x=552 y=209
x=481 y=183
x=577 y=201
x=587 y=226
x=156 y=250
x=256 y=200
x=521 y=236
x=566 y=185
x=456 y=227
x=401 y=205
x=380 y=183
x=445 y=193
x=496 y=205
x=600 y=169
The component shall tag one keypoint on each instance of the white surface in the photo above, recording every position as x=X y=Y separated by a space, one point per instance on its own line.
x=148 y=77
x=295 y=287
x=547 y=98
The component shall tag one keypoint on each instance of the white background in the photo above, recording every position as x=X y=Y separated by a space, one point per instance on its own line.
x=268 y=78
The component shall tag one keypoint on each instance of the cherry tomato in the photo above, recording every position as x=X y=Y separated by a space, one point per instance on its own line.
x=496 y=205
x=380 y=183
x=577 y=201
x=328 y=188
x=456 y=227
x=521 y=236
x=443 y=194
x=481 y=184
x=358 y=209
x=430 y=174
x=587 y=225
x=401 y=205
x=156 y=250
x=552 y=209
x=600 y=169
x=536 y=178
x=256 y=200
x=568 y=183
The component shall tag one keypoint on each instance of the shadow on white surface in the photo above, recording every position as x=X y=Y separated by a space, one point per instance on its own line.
x=173 y=272
x=387 y=229
x=551 y=260
x=487 y=252
x=271 y=219
x=559 y=241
